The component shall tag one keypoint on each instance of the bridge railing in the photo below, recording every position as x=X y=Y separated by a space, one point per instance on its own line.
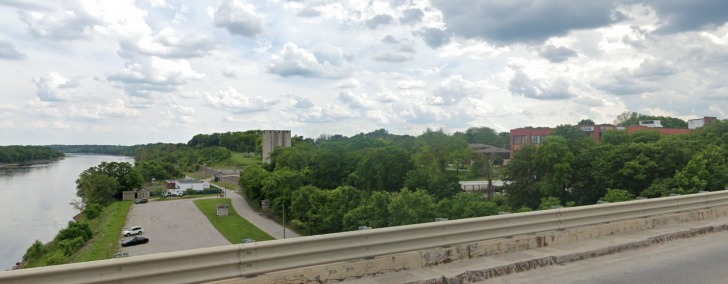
x=251 y=259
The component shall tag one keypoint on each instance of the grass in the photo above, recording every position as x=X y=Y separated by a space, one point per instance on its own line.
x=239 y=161
x=107 y=233
x=233 y=227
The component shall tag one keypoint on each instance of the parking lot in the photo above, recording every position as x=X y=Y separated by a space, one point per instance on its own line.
x=171 y=225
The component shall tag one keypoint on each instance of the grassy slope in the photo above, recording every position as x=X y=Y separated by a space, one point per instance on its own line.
x=107 y=233
x=233 y=227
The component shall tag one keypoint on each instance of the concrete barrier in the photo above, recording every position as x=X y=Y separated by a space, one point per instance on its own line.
x=359 y=253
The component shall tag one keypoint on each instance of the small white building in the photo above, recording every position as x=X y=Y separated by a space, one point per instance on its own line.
x=196 y=185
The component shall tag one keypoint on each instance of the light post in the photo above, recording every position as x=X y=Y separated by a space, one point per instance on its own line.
x=284 y=219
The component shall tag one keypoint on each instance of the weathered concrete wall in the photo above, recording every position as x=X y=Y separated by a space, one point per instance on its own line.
x=335 y=272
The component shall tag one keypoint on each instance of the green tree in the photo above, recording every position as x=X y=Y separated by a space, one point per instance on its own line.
x=617 y=195
x=96 y=188
x=483 y=135
x=296 y=157
x=586 y=121
x=251 y=182
x=575 y=137
x=644 y=136
x=706 y=171
x=279 y=186
x=521 y=176
x=553 y=161
x=549 y=202
x=411 y=207
x=330 y=165
x=372 y=212
x=383 y=168
x=467 y=205
x=427 y=175
x=614 y=137
x=34 y=251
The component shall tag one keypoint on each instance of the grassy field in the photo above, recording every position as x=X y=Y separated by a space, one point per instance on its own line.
x=233 y=227
x=239 y=161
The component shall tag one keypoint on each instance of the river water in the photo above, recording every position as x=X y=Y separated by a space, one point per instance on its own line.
x=34 y=201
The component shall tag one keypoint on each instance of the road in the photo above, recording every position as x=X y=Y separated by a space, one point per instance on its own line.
x=243 y=209
x=267 y=225
x=700 y=259
x=172 y=225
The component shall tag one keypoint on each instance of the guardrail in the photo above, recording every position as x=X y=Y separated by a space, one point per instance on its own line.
x=251 y=259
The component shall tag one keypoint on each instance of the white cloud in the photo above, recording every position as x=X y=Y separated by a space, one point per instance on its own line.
x=292 y=60
x=410 y=84
x=9 y=52
x=118 y=109
x=230 y=100
x=55 y=87
x=239 y=18
x=453 y=90
x=149 y=75
x=344 y=67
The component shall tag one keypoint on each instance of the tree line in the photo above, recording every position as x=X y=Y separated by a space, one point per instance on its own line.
x=569 y=169
x=20 y=154
x=377 y=179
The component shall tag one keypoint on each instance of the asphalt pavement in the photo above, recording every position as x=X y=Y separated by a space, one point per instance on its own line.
x=691 y=252
x=171 y=225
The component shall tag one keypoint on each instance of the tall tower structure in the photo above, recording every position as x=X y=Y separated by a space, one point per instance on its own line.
x=272 y=139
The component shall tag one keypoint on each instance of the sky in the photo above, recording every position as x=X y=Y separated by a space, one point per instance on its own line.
x=125 y=72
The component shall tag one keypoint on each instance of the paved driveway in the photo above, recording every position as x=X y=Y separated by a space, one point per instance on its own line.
x=172 y=225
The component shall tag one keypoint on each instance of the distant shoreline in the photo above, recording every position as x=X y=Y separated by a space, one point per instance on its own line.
x=28 y=163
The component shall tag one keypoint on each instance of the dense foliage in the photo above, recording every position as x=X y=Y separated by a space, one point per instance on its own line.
x=247 y=141
x=378 y=179
x=105 y=183
x=19 y=154
x=97 y=149
x=632 y=118
x=375 y=180
x=569 y=167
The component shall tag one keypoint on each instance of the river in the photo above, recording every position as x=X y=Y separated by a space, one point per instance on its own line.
x=34 y=201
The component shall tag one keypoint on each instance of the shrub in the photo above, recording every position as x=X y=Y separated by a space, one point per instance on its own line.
x=56 y=258
x=92 y=211
x=70 y=246
x=35 y=250
x=75 y=229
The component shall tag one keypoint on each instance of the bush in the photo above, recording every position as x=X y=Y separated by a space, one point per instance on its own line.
x=35 y=250
x=190 y=191
x=71 y=246
x=56 y=258
x=92 y=211
x=75 y=229
x=299 y=225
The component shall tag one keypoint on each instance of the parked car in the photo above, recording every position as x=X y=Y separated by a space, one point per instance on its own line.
x=136 y=230
x=136 y=240
x=141 y=200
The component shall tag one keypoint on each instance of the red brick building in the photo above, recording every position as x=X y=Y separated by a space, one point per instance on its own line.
x=530 y=135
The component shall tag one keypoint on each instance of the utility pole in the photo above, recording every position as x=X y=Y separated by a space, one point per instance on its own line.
x=284 y=219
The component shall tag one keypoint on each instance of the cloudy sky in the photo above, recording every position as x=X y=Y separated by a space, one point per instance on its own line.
x=135 y=72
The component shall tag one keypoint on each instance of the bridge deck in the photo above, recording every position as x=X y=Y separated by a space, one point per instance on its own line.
x=480 y=269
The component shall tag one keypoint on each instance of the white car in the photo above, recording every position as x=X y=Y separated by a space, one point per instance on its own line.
x=132 y=231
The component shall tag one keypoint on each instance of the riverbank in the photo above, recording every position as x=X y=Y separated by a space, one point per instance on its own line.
x=35 y=203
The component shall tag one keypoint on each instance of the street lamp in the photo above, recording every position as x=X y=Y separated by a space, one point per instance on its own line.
x=284 y=219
